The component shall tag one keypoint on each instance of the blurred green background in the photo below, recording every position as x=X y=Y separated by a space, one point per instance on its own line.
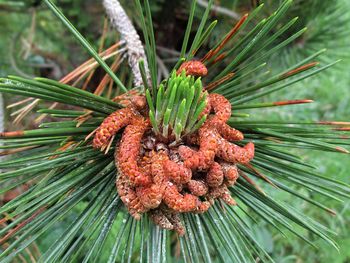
x=34 y=43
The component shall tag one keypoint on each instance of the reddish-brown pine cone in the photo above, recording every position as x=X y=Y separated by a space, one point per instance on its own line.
x=229 y=133
x=154 y=179
x=178 y=202
x=136 y=101
x=129 y=151
x=133 y=99
x=111 y=125
x=209 y=137
x=221 y=107
x=221 y=192
x=193 y=68
x=139 y=102
x=230 y=172
x=233 y=153
x=159 y=218
x=126 y=95
x=178 y=173
x=129 y=198
x=227 y=198
x=186 y=152
x=215 y=175
x=167 y=219
x=203 y=207
x=204 y=157
x=226 y=131
x=174 y=218
x=151 y=196
x=157 y=167
x=197 y=187
x=176 y=221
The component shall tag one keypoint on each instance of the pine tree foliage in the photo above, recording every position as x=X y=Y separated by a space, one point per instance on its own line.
x=326 y=23
x=65 y=172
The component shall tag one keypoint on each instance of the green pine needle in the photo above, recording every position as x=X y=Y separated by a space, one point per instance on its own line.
x=84 y=42
x=176 y=111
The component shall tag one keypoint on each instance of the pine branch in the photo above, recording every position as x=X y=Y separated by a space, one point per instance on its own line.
x=135 y=50
x=220 y=10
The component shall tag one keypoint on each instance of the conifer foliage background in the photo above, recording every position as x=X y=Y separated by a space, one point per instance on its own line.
x=49 y=54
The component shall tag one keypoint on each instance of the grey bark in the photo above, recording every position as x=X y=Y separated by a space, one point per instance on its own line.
x=121 y=22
